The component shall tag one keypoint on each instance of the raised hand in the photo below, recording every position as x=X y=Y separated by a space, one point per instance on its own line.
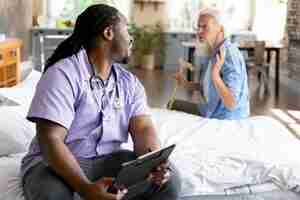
x=220 y=59
x=178 y=76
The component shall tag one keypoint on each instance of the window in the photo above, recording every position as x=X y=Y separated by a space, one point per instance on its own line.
x=270 y=19
x=183 y=13
x=69 y=9
x=123 y=6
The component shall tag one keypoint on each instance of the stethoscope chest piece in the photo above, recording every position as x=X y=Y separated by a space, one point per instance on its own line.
x=117 y=103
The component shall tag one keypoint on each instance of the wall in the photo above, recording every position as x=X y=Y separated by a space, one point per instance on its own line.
x=149 y=13
x=293 y=31
x=37 y=10
x=16 y=21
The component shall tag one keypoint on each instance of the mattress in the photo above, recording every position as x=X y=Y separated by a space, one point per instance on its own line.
x=256 y=158
x=10 y=186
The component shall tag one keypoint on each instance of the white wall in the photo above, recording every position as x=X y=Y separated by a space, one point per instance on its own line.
x=149 y=14
x=16 y=21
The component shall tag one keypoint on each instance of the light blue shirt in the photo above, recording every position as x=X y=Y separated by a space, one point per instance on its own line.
x=234 y=75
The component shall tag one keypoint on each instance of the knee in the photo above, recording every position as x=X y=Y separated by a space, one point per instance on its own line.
x=42 y=184
x=56 y=195
x=48 y=193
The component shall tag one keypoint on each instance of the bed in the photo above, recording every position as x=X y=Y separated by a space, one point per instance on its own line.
x=255 y=159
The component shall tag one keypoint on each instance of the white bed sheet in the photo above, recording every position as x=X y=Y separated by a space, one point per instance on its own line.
x=10 y=182
x=22 y=93
x=199 y=177
x=211 y=155
x=215 y=155
x=10 y=186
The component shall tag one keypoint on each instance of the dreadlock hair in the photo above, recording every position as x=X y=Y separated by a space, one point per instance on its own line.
x=89 y=25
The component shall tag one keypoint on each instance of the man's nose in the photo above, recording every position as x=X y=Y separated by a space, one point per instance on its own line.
x=200 y=34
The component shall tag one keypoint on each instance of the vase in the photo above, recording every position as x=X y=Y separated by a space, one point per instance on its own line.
x=148 y=62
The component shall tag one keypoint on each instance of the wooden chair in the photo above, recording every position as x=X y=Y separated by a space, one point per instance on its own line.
x=258 y=66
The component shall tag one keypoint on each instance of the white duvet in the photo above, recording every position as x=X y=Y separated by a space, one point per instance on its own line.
x=211 y=155
x=10 y=182
x=214 y=155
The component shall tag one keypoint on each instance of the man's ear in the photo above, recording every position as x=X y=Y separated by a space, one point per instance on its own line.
x=108 y=33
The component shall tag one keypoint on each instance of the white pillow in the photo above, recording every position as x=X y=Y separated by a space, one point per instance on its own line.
x=23 y=93
x=16 y=132
x=10 y=181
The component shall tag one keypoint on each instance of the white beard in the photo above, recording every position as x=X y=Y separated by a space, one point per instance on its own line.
x=202 y=49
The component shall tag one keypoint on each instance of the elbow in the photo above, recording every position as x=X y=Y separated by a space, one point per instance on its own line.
x=47 y=143
x=48 y=139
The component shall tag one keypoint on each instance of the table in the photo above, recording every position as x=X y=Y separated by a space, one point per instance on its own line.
x=245 y=46
x=46 y=39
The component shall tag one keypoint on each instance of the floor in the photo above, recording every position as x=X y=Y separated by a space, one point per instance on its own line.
x=159 y=87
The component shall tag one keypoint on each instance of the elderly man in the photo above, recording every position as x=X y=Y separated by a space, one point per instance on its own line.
x=223 y=81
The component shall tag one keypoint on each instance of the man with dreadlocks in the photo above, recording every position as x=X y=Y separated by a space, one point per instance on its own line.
x=87 y=109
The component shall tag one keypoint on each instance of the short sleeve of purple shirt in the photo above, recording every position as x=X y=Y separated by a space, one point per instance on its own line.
x=54 y=98
x=64 y=95
x=139 y=105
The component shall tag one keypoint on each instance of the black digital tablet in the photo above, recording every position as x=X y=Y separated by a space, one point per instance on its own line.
x=133 y=174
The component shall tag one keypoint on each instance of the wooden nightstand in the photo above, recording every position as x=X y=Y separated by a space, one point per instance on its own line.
x=10 y=60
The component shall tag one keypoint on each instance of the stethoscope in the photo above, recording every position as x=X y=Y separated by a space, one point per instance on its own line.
x=96 y=81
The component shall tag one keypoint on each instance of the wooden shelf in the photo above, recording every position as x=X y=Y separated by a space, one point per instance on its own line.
x=11 y=80
x=10 y=59
x=8 y=63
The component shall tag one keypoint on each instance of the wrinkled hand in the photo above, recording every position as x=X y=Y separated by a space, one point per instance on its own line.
x=98 y=190
x=160 y=175
x=178 y=76
x=220 y=59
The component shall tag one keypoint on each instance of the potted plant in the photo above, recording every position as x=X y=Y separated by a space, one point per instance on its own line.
x=148 y=42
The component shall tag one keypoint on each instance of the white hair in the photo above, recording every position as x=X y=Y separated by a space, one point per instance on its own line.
x=215 y=13
x=220 y=17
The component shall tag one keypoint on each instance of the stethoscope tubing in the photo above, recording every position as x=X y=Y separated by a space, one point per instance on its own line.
x=96 y=79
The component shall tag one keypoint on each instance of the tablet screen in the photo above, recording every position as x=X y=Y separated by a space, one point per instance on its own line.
x=138 y=170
